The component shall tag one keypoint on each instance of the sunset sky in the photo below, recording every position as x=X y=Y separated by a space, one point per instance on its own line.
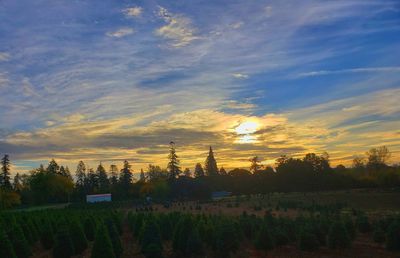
x=112 y=80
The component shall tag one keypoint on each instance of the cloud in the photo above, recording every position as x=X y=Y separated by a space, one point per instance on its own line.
x=237 y=25
x=240 y=76
x=120 y=32
x=133 y=11
x=268 y=10
x=178 y=30
x=4 y=56
x=354 y=70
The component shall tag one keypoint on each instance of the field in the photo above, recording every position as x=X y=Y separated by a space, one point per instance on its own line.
x=329 y=224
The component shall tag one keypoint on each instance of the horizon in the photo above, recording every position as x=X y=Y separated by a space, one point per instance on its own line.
x=107 y=82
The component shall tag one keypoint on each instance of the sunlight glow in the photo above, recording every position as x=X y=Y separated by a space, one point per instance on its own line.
x=247 y=127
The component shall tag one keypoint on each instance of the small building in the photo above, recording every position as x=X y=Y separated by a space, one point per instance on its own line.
x=92 y=198
x=220 y=195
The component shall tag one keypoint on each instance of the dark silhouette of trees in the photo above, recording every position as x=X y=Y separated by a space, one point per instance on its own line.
x=210 y=166
x=377 y=157
x=173 y=165
x=5 y=173
x=142 y=177
x=187 y=172
x=103 y=182
x=53 y=167
x=222 y=171
x=198 y=170
x=255 y=166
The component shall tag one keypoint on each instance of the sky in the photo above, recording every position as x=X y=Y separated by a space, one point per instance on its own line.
x=104 y=81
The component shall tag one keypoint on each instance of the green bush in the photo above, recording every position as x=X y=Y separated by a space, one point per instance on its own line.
x=102 y=247
x=194 y=243
x=114 y=236
x=150 y=239
x=363 y=224
x=379 y=234
x=226 y=239
x=338 y=238
x=63 y=246
x=393 y=236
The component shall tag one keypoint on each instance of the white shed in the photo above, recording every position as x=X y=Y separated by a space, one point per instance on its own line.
x=91 y=198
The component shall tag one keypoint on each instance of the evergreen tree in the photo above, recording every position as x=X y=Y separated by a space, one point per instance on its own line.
x=89 y=228
x=173 y=165
x=102 y=247
x=114 y=237
x=255 y=165
x=125 y=178
x=338 y=236
x=222 y=171
x=142 y=176
x=5 y=173
x=17 y=183
x=18 y=240
x=63 y=246
x=113 y=175
x=226 y=239
x=6 y=248
x=308 y=240
x=53 y=167
x=103 y=182
x=92 y=181
x=65 y=172
x=46 y=235
x=150 y=240
x=198 y=170
x=210 y=167
x=77 y=236
x=264 y=239
x=80 y=176
x=187 y=172
x=393 y=236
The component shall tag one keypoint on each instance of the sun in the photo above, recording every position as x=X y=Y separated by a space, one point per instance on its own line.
x=247 y=127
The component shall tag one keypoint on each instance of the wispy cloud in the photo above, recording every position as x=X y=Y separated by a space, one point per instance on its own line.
x=179 y=29
x=353 y=70
x=120 y=32
x=133 y=11
x=240 y=75
x=4 y=56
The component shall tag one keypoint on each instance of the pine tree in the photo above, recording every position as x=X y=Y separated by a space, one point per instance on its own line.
x=338 y=236
x=264 y=239
x=125 y=178
x=150 y=240
x=17 y=184
x=255 y=165
x=89 y=228
x=18 y=240
x=198 y=170
x=92 y=181
x=6 y=248
x=211 y=167
x=187 y=172
x=113 y=175
x=222 y=171
x=80 y=175
x=173 y=165
x=142 y=176
x=103 y=182
x=63 y=247
x=393 y=236
x=114 y=237
x=77 y=236
x=308 y=240
x=46 y=235
x=53 y=167
x=5 y=173
x=102 y=247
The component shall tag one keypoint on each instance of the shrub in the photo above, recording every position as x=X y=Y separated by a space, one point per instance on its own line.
x=102 y=247
x=226 y=239
x=194 y=244
x=338 y=236
x=78 y=237
x=363 y=224
x=393 y=236
x=150 y=239
x=152 y=251
x=63 y=246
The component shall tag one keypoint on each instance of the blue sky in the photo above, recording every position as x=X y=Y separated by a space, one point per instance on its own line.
x=113 y=80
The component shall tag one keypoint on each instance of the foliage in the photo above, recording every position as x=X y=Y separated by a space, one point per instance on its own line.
x=338 y=238
x=63 y=247
x=102 y=247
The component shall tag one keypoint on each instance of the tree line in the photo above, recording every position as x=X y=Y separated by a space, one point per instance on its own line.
x=55 y=183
